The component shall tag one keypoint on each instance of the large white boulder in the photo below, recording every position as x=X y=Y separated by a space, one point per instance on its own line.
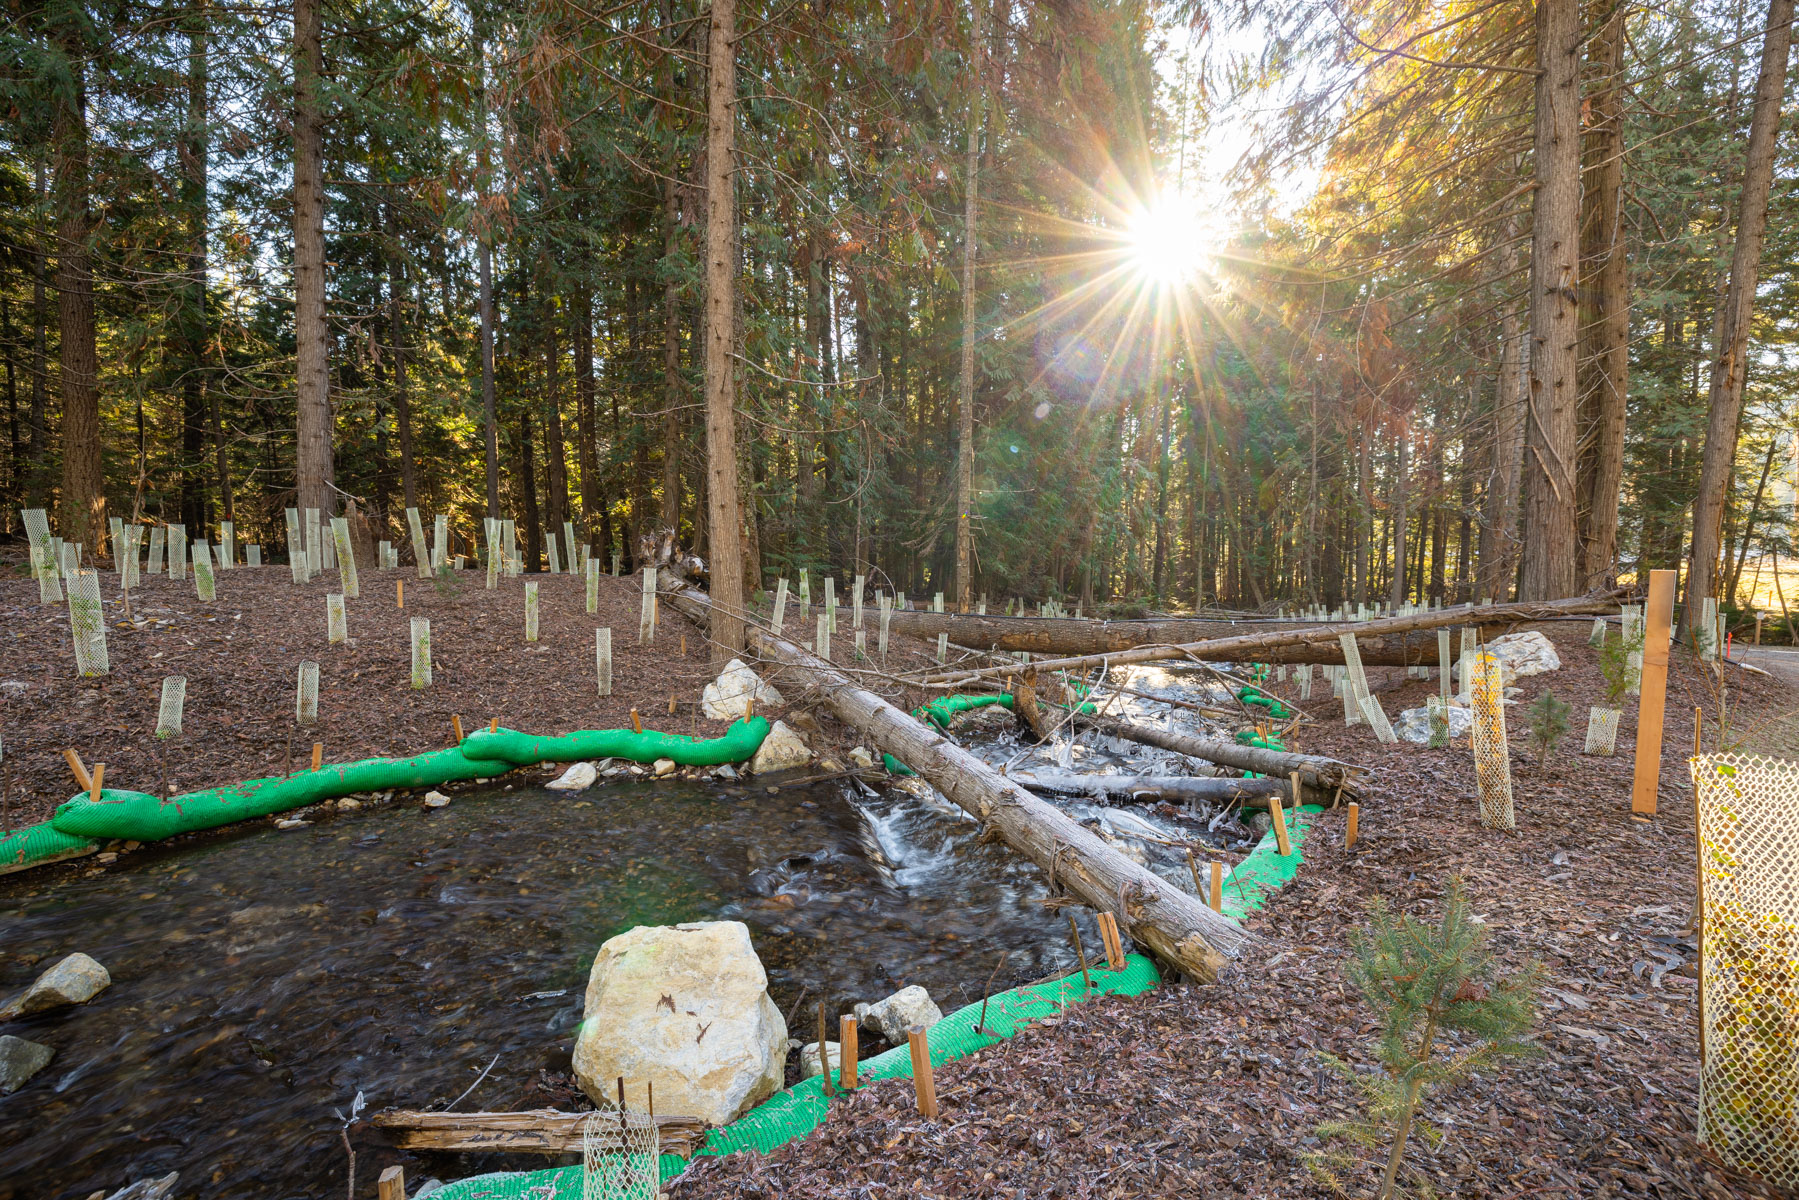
x=74 y=980
x=1522 y=654
x=686 y=1008
x=899 y=1012
x=781 y=750
x=728 y=697
x=578 y=778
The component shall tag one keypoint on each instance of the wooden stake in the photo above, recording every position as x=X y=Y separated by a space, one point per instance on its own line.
x=318 y=755
x=1193 y=869
x=493 y=726
x=636 y=722
x=921 y=1072
x=1108 y=931
x=1279 y=817
x=683 y=645
x=75 y=764
x=846 y=1053
x=824 y=1058
x=392 y=1184
x=93 y=791
x=671 y=706
x=1658 y=616
x=1080 y=953
x=1698 y=730
x=400 y=595
x=1217 y=897
x=1350 y=834
x=456 y=725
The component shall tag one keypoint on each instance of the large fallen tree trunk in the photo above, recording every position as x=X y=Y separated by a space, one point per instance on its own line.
x=1183 y=789
x=1386 y=635
x=1321 y=780
x=1171 y=923
x=540 y=1131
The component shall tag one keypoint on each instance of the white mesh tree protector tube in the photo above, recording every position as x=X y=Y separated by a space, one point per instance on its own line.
x=509 y=535
x=1748 y=812
x=886 y=602
x=531 y=611
x=1466 y=663
x=421 y=652
x=346 y=558
x=127 y=548
x=253 y=554
x=568 y=547
x=381 y=549
x=205 y=586
x=116 y=534
x=821 y=643
x=227 y=545
x=1443 y=668
x=552 y=552
x=831 y=602
x=593 y=585
x=1602 y=730
x=1355 y=690
x=780 y=611
x=70 y=555
x=309 y=526
x=337 y=625
x=1597 y=637
x=620 y=1156
x=296 y=547
x=1303 y=673
x=43 y=558
x=87 y=625
x=1705 y=630
x=805 y=593
x=602 y=659
x=1492 y=758
x=327 y=547
x=157 y=536
x=492 y=528
x=169 y=711
x=459 y=561
x=440 y=542
x=646 y=620
x=306 y=696
x=1376 y=717
x=856 y=601
x=177 y=552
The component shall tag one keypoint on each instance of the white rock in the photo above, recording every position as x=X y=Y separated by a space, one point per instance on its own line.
x=1414 y=723
x=781 y=749
x=899 y=1012
x=349 y=805
x=686 y=1008
x=436 y=799
x=665 y=766
x=726 y=772
x=291 y=823
x=579 y=777
x=1523 y=654
x=728 y=697
x=862 y=758
x=76 y=979
x=809 y=1059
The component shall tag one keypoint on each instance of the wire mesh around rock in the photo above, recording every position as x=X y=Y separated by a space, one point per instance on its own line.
x=1602 y=730
x=1748 y=812
x=1492 y=758
x=620 y=1156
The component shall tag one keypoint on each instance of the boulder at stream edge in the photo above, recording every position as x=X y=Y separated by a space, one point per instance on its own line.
x=75 y=980
x=781 y=750
x=686 y=1008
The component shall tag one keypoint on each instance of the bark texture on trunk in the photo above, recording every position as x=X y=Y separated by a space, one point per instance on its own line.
x=965 y=390
x=1730 y=364
x=1550 y=565
x=1172 y=924
x=671 y=364
x=724 y=518
x=1498 y=565
x=312 y=364
x=1605 y=309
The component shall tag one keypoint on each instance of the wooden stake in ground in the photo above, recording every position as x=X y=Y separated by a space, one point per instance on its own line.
x=93 y=790
x=79 y=769
x=922 y=1081
x=1657 y=619
x=318 y=755
x=1080 y=954
x=1280 y=828
x=846 y=1053
x=646 y=621
x=456 y=727
x=1108 y=931
x=1351 y=832
x=824 y=1057
x=1217 y=897
x=399 y=593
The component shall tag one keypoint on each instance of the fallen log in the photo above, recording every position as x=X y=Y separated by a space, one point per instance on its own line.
x=1267 y=647
x=1321 y=780
x=540 y=1131
x=1180 y=789
x=1169 y=922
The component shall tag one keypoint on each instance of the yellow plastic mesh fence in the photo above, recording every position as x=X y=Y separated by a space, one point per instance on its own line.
x=1492 y=760
x=1748 y=807
x=619 y=1156
x=1602 y=730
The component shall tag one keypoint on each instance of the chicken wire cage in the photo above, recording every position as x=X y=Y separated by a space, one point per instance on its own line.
x=1492 y=756
x=619 y=1156
x=1748 y=814
x=1602 y=730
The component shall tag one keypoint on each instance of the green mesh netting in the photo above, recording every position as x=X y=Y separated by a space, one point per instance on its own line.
x=41 y=843
x=1267 y=870
x=802 y=1108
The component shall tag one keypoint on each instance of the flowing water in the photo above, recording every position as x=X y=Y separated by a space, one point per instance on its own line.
x=262 y=978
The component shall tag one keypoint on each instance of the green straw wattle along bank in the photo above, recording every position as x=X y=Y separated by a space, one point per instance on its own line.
x=81 y=822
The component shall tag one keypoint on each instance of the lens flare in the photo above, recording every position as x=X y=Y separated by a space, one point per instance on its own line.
x=1169 y=242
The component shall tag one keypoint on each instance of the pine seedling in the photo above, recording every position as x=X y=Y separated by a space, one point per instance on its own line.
x=1548 y=718
x=1616 y=665
x=1444 y=1009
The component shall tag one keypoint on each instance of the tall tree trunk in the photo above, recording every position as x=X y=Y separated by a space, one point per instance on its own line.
x=1730 y=361
x=1755 y=507
x=313 y=467
x=965 y=394
x=528 y=481
x=196 y=405
x=1549 y=570
x=725 y=522
x=1497 y=569
x=671 y=363
x=402 y=396
x=593 y=501
x=40 y=368
x=489 y=413
x=1401 y=516
x=81 y=507
x=1605 y=316
x=555 y=450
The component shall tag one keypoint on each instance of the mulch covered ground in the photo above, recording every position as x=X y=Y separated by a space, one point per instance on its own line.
x=1218 y=1090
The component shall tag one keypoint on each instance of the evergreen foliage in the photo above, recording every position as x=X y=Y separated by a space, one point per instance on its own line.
x=1547 y=718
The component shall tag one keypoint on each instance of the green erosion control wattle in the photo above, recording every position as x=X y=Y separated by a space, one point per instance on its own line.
x=802 y=1108
x=941 y=711
x=139 y=816
x=1267 y=870
x=1256 y=698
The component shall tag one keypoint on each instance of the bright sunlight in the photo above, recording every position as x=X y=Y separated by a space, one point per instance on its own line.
x=1170 y=242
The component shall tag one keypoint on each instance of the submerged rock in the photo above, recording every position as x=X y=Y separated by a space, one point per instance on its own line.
x=781 y=750
x=809 y=1059
x=729 y=696
x=436 y=799
x=578 y=778
x=19 y=1061
x=75 y=980
x=684 y=1007
x=899 y=1012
